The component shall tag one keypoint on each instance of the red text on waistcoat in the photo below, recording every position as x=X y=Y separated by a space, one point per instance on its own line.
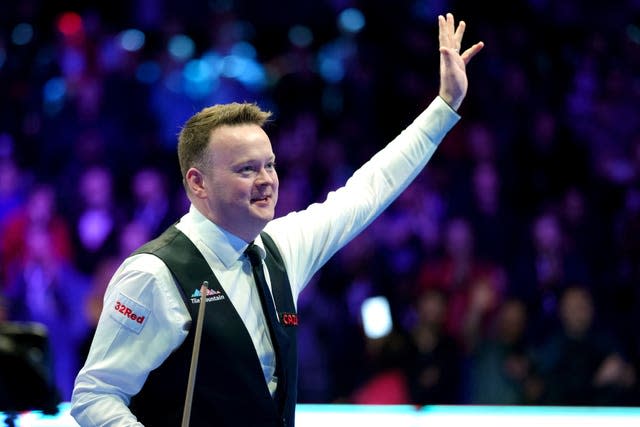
x=289 y=319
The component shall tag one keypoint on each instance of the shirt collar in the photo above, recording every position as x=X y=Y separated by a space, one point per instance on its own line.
x=228 y=247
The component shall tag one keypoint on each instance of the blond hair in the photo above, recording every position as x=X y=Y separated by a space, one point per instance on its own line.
x=193 y=139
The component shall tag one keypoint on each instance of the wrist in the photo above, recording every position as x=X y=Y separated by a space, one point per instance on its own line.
x=452 y=103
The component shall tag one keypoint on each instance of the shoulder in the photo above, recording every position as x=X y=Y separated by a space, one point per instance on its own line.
x=142 y=263
x=139 y=274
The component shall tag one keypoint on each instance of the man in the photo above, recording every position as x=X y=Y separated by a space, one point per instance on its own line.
x=136 y=372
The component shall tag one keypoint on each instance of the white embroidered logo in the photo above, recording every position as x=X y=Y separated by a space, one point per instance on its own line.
x=212 y=295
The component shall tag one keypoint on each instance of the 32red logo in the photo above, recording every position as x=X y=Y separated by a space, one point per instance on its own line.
x=127 y=312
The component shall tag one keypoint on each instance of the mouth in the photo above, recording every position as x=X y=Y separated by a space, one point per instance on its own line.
x=263 y=199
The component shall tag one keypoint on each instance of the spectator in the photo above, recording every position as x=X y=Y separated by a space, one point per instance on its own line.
x=435 y=363
x=386 y=379
x=39 y=216
x=474 y=287
x=580 y=363
x=151 y=198
x=501 y=367
x=47 y=288
x=96 y=218
x=544 y=268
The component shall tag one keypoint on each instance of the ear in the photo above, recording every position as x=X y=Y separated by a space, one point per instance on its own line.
x=195 y=183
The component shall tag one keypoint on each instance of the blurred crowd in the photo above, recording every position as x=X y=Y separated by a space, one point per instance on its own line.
x=511 y=265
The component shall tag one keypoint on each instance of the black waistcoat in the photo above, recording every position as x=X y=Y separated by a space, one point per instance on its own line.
x=230 y=389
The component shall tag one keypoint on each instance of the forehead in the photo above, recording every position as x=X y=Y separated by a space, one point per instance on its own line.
x=239 y=142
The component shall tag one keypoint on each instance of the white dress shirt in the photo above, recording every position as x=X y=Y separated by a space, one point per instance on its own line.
x=125 y=349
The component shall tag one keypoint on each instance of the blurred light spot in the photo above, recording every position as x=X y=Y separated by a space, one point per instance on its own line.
x=197 y=70
x=331 y=69
x=53 y=94
x=331 y=59
x=181 y=47
x=132 y=40
x=245 y=70
x=110 y=54
x=69 y=23
x=243 y=49
x=351 y=20
x=634 y=33
x=619 y=170
x=214 y=61
x=375 y=312
x=54 y=89
x=72 y=62
x=148 y=72
x=233 y=66
x=22 y=34
x=198 y=78
x=300 y=36
x=254 y=75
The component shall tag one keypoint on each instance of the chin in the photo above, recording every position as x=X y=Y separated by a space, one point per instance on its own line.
x=261 y=220
x=267 y=218
x=265 y=214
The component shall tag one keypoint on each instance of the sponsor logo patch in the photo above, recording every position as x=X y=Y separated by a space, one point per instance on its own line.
x=129 y=313
x=212 y=295
x=289 y=319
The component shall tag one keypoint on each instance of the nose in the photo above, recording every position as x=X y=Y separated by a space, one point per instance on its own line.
x=266 y=176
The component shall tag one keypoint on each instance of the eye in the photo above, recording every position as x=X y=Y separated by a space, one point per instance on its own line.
x=246 y=169
x=270 y=165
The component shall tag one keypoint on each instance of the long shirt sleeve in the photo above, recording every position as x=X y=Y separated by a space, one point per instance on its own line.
x=308 y=238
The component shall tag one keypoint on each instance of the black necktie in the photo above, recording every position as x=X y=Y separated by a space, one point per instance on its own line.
x=267 y=304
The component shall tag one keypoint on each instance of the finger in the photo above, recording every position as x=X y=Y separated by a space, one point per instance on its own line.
x=450 y=22
x=459 y=33
x=442 y=34
x=451 y=29
x=472 y=51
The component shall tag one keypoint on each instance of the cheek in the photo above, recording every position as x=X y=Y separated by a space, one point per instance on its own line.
x=231 y=188
x=239 y=192
x=276 y=188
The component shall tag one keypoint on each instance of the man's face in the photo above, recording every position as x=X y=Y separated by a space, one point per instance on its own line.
x=240 y=180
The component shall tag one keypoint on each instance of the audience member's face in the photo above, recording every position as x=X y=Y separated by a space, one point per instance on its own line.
x=576 y=312
x=432 y=308
x=241 y=182
x=459 y=237
x=95 y=187
x=485 y=183
x=148 y=185
x=513 y=319
x=546 y=233
x=41 y=205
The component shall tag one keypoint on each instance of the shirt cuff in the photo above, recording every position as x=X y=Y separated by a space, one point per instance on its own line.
x=437 y=120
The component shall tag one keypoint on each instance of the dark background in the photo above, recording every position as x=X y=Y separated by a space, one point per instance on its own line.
x=535 y=191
